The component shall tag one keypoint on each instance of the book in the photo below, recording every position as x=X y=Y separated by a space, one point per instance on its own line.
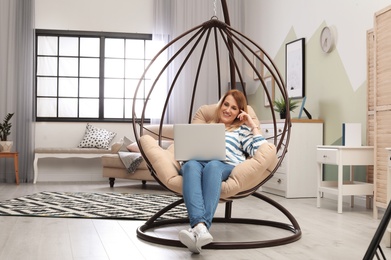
x=351 y=134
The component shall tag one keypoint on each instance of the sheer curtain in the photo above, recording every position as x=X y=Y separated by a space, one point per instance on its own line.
x=16 y=83
x=173 y=18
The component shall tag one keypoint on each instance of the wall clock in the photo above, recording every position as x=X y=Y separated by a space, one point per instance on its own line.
x=326 y=39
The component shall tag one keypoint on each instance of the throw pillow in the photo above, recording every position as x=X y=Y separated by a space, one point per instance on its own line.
x=95 y=137
x=125 y=143
x=133 y=147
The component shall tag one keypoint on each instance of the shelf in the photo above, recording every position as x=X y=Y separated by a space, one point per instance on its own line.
x=348 y=188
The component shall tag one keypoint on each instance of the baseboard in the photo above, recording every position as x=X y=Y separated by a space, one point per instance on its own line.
x=70 y=177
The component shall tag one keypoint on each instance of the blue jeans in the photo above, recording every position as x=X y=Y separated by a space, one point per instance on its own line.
x=201 y=188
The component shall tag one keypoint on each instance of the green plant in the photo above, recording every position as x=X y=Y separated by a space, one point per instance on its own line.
x=5 y=127
x=280 y=106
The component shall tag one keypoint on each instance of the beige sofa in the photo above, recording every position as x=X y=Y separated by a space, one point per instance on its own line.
x=112 y=166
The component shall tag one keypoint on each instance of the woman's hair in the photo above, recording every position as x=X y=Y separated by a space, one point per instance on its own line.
x=242 y=105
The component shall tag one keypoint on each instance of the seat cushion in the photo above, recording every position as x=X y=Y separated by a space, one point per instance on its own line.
x=251 y=172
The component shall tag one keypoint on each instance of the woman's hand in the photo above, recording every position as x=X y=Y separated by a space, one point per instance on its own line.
x=246 y=118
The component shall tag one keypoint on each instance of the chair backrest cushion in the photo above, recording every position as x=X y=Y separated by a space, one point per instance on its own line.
x=206 y=113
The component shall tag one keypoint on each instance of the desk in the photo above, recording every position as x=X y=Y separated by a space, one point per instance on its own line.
x=341 y=156
x=16 y=163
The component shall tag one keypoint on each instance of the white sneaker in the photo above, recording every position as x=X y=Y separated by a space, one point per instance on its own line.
x=202 y=235
x=187 y=237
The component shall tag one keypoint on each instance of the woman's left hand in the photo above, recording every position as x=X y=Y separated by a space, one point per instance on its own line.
x=246 y=118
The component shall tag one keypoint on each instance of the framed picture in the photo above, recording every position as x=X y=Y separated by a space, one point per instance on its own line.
x=258 y=64
x=269 y=82
x=294 y=68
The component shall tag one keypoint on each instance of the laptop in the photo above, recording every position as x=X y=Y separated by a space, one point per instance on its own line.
x=199 y=142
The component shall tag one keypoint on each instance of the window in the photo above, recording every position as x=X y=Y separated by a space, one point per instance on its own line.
x=87 y=76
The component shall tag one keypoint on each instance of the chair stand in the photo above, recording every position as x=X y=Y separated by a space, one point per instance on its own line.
x=293 y=227
x=374 y=248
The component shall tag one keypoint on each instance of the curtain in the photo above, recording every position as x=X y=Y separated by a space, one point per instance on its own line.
x=17 y=83
x=175 y=17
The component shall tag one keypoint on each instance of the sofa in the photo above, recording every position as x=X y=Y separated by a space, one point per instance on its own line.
x=113 y=167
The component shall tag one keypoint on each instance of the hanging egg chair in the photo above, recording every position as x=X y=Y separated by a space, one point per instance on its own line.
x=247 y=177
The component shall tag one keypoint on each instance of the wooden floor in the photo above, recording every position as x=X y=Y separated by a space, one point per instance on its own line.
x=326 y=234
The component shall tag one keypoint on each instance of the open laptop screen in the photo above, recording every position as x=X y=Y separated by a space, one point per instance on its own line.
x=199 y=142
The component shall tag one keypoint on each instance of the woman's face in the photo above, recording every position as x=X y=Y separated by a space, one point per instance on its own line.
x=229 y=110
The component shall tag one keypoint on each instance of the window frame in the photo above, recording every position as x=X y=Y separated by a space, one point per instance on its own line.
x=102 y=36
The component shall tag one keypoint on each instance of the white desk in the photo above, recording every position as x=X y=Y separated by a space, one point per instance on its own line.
x=343 y=155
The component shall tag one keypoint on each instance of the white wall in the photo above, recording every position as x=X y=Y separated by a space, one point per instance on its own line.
x=132 y=16
x=69 y=135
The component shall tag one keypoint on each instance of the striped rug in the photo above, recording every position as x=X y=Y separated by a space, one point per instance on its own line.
x=92 y=205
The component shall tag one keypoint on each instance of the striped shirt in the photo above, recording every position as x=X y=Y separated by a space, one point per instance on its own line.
x=240 y=142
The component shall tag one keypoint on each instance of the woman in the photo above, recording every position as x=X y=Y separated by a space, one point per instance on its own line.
x=202 y=179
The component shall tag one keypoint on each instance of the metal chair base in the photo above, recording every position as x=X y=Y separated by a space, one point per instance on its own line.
x=293 y=227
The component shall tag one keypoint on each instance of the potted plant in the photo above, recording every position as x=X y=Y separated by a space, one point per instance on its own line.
x=5 y=131
x=280 y=106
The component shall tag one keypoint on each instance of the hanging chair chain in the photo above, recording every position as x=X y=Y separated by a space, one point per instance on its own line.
x=214 y=8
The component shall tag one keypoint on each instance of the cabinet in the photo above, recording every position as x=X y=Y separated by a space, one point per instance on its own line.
x=296 y=177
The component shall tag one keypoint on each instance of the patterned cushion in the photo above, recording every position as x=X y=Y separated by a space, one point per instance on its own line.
x=95 y=137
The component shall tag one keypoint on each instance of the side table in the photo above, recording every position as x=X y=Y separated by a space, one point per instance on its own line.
x=343 y=155
x=16 y=162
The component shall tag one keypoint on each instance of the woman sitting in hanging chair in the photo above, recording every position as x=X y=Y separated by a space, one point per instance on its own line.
x=202 y=179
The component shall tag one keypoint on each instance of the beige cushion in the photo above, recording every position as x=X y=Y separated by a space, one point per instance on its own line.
x=250 y=173
x=163 y=163
x=116 y=147
x=206 y=113
x=133 y=147
x=244 y=176
x=153 y=130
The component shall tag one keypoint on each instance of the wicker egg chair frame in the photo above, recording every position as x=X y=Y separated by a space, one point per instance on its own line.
x=233 y=40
